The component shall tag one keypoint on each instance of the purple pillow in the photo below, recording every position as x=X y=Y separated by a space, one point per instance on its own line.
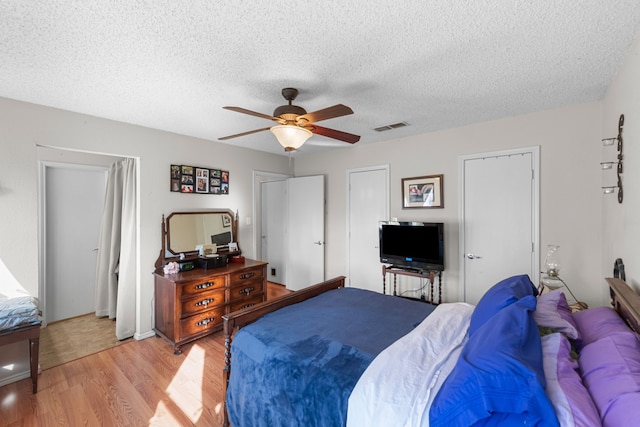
x=598 y=322
x=499 y=296
x=569 y=397
x=611 y=372
x=553 y=311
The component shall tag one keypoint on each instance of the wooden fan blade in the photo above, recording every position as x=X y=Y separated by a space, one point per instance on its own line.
x=326 y=113
x=335 y=134
x=253 y=113
x=224 y=138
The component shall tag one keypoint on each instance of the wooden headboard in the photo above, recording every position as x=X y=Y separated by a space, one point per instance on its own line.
x=625 y=301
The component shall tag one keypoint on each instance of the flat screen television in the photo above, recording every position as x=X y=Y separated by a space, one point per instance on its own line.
x=410 y=244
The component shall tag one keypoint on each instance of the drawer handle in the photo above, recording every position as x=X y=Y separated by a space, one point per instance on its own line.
x=205 y=322
x=204 y=285
x=247 y=275
x=205 y=302
x=247 y=291
x=246 y=306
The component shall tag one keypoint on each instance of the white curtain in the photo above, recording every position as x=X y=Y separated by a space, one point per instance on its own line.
x=116 y=267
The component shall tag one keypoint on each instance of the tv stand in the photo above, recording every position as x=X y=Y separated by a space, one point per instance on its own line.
x=430 y=275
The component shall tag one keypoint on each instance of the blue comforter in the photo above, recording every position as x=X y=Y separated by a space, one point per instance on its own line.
x=297 y=366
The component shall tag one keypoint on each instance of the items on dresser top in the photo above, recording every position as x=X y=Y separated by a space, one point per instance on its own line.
x=212 y=261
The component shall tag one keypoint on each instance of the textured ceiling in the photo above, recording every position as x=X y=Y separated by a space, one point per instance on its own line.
x=173 y=65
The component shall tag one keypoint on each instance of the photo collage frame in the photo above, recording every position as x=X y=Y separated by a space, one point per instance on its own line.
x=199 y=180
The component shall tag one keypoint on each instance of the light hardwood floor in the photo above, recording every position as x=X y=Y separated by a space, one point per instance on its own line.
x=137 y=383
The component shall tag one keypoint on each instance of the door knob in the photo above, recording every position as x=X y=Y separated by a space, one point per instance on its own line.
x=318 y=243
x=472 y=256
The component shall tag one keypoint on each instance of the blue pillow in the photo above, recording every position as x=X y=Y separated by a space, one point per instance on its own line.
x=499 y=296
x=499 y=377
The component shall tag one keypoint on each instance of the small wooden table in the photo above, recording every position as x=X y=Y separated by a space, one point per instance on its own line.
x=31 y=333
x=424 y=274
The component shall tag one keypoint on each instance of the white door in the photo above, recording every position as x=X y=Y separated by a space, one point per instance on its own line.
x=258 y=179
x=273 y=226
x=499 y=224
x=367 y=205
x=305 y=239
x=74 y=199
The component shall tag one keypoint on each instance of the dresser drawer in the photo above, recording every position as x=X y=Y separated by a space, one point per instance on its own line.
x=202 y=302
x=248 y=275
x=202 y=322
x=245 y=303
x=197 y=286
x=247 y=289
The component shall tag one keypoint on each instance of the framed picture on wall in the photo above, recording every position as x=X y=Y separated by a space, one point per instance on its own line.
x=423 y=192
x=175 y=178
x=202 y=180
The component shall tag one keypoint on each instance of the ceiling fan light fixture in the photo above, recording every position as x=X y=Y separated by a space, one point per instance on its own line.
x=291 y=137
x=295 y=125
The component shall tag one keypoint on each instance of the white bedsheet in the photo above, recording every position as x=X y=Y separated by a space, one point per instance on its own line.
x=399 y=385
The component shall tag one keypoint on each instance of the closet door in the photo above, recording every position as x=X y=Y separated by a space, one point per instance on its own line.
x=499 y=224
x=367 y=205
x=74 y=201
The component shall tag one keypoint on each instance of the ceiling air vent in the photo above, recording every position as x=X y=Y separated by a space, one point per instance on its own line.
x=393 y=126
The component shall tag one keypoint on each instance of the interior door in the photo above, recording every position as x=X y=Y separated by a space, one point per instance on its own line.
x=260 y=178
x=72 y=233
x=274 y=229
x=499 y=225
x=305 y=234
x=368 y=204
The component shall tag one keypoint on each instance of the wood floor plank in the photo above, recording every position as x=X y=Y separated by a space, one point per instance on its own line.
x=77 y=408
x=150 y=386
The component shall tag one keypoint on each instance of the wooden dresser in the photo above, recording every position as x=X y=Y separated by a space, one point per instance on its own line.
x=189 y=305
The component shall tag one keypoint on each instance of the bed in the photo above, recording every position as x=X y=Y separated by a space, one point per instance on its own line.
x=544 y=365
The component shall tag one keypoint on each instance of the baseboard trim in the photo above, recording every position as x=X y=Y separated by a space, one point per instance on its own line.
x=143 y=336
x=15 y=377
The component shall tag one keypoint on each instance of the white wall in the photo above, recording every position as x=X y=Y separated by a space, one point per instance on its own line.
x=621 y=222
x=25 y=126
x=570 y=195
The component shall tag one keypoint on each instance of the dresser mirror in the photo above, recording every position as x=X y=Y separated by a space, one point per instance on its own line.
x=187 y=230
x=183 y=232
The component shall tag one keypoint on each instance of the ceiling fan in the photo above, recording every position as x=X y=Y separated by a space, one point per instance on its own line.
x=295 y=125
